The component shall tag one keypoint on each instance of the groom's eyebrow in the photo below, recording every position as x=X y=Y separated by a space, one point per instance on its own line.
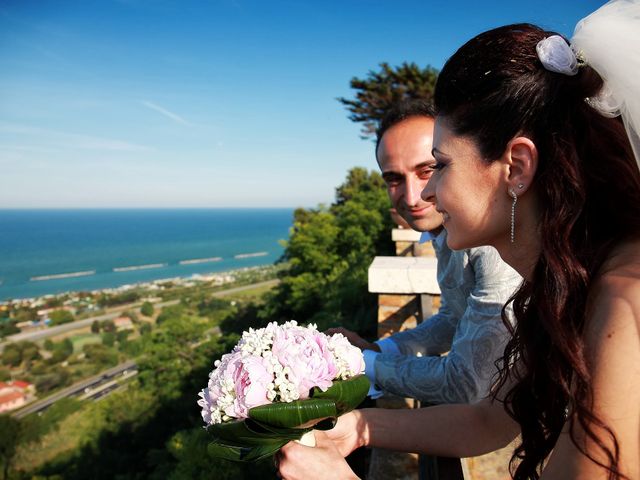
x=427 y=163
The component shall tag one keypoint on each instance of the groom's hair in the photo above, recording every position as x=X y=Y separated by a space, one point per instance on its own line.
x=400 y=112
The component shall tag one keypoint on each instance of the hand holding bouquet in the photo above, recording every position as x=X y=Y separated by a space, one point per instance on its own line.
x=278 y=383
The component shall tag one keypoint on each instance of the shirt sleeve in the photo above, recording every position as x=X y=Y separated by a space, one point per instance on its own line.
x=464 y=375
x=370 y=372
x=431 y=337
x=387 y=345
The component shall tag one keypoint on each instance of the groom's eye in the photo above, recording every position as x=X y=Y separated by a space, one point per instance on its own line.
x=392 y=180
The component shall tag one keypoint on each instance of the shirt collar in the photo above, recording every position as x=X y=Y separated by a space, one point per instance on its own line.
x=428 y=236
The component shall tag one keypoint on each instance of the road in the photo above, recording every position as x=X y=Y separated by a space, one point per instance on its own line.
x=67 y=327
x=103 y=383
x=75 y=388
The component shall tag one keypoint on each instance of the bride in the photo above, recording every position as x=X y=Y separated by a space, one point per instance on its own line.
x=532 y=157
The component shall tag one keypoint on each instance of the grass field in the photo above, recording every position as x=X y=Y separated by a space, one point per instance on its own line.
x=254 y=294
x=83 y=339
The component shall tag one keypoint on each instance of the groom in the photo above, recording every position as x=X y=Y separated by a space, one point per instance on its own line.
x=474 y=284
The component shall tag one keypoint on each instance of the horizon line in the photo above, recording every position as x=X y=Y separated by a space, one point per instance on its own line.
x=159 y=208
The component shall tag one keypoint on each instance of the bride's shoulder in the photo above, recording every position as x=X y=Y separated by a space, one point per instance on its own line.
x=615 y=296
x=620 y=274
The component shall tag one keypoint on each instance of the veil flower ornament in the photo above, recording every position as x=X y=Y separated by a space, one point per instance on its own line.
x=608 y=42
x=277 y=385
x=557 y=55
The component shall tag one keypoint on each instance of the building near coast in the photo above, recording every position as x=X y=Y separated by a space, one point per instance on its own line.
x=15 y=394
x=123 y=323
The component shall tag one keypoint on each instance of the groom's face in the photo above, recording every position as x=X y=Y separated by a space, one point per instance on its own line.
x=404 y=156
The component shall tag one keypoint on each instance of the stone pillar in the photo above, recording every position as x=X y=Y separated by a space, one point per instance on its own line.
x=397 y=312
x=407 y=243
x=406 y=288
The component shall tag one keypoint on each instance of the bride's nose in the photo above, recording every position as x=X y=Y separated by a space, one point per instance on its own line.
x=428 y=193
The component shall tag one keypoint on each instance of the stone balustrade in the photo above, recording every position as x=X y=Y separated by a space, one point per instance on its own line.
x=408 y=292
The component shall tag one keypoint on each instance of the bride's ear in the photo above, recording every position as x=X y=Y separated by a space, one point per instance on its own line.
x=521 y=157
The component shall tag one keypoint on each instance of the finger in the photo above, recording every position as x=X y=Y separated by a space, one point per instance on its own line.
x=285 y=449
x=322 y=440
x=341 y=330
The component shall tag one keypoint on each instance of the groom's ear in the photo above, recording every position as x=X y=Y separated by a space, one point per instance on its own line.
x=521 y=158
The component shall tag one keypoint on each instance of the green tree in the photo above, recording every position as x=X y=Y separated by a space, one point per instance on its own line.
x=381 y=89
x=145 y=328
x=108 y=326
x=170 y=312
x=108 y=339
x=100 y=355
x=192 y=460
x=25 y=314
x=123 y=336
x=12 y=355
x=52 y=380
x=329 y=252
x=147 y=309
x=61 y=351
x=30 y=351
x=15 y=354
x=55 y=302
x=8 y=327
x=9 y=439
x=106 y=300
x=95 y=326
x=58 y=317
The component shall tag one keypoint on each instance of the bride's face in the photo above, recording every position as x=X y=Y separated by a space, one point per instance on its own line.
x=469 y=191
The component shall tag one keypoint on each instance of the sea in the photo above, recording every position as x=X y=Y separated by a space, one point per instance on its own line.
x=54 y=251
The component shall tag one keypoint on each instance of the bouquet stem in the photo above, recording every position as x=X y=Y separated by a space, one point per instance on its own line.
x=308 y=439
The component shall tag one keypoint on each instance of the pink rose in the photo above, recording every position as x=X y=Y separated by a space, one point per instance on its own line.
x=307 y=355
x=239 y=383
x=252 y=379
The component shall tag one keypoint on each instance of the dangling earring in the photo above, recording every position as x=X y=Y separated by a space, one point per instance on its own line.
x=513 y=213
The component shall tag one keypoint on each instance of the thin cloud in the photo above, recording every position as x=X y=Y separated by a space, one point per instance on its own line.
x=72 y=140
x=175 y=117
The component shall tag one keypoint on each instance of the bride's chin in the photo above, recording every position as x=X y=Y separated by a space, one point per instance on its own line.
x=456 y=241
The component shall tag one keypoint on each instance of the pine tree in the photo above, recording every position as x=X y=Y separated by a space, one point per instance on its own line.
x=380 y=90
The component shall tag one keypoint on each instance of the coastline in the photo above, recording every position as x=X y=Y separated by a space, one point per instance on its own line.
x=55 y=251
x=214 y=279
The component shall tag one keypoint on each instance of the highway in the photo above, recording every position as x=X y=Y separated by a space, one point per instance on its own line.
x=104 y=382
x=77 y=388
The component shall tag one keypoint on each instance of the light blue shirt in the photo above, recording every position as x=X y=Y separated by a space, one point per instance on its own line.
x=474 y=284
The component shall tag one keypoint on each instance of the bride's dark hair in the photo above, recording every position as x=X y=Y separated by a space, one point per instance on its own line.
x=588 y=187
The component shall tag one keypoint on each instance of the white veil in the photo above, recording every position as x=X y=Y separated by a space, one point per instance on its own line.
x=609 y=40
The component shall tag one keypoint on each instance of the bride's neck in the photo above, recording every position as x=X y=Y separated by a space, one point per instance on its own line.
x=522 y=255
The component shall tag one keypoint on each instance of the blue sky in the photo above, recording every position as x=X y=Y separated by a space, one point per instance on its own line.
x=231 y=103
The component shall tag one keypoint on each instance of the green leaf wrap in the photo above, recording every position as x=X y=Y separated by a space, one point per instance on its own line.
x=270 y=427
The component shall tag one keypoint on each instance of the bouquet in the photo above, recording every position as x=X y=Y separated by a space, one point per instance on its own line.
x=277 y=384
